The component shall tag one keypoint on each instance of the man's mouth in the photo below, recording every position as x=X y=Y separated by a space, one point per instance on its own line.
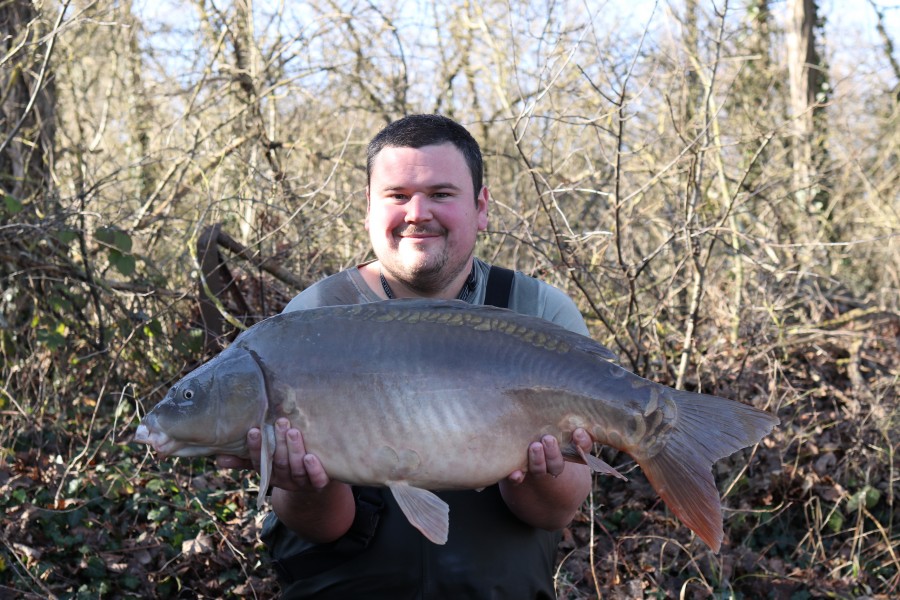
x=419 y=234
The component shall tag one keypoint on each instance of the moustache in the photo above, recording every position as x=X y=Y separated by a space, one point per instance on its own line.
x=408 y=231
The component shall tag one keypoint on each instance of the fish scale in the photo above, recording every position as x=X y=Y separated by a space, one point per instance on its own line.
x=422 y=395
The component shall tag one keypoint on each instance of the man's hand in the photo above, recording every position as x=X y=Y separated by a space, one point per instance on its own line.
x=293 y=469
x=304 y=498
x=546 y=458
x=549 y=492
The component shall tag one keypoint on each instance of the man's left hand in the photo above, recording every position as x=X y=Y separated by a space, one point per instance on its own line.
x=546 y=458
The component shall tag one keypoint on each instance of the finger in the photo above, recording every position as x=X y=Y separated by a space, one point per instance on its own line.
x=516 y=477
x=254 y=445
x=537 y=464
x=553 y=457
x=280 y=459
x=582 y=439
x=315 y=472
x=296 y=452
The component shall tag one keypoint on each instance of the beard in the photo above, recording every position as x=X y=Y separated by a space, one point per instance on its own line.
x=425 y=273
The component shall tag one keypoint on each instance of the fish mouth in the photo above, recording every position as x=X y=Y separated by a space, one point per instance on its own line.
x=162 y=443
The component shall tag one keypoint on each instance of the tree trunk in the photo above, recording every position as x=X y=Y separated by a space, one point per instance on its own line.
x=27 y=108
x=806 y=77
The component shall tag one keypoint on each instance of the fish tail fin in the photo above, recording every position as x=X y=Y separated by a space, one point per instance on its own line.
x=707 y=428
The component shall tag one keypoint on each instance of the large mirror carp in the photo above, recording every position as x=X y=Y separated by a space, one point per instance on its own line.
x=421 y=395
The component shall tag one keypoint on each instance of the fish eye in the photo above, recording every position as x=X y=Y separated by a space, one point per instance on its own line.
x=188 y=394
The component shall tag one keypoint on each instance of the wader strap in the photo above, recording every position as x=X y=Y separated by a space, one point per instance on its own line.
x=499 y=286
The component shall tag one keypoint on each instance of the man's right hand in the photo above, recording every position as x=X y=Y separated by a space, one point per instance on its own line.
x=305 y=499
x=293 y=468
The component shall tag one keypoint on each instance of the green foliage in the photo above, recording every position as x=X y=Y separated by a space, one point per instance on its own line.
x=11 y=206
x=118 y=246
x=117 y=529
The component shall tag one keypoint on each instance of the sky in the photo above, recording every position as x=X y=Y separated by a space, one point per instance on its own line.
x=850 y=24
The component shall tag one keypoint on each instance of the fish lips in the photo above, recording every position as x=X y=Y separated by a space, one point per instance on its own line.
x=148 y=433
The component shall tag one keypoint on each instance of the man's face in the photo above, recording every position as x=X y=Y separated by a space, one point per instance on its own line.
x=423 y=217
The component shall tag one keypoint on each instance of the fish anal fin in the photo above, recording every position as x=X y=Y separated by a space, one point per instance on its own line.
x=575 y=454
x=266 y=454
x=598 y=465
x=570 y=453
x=424 y=510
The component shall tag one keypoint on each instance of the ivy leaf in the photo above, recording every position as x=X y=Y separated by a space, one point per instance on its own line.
x=66 y=236
x=122 y=241
x=11 y=205
x=118 y=244
x=124 y=263
x=106 y=236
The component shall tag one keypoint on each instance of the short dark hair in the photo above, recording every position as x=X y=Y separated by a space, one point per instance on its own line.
x=415 y=131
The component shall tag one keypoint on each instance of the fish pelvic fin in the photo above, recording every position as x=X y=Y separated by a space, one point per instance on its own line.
x=707 y=429
x=424 y=510
x=266 y=454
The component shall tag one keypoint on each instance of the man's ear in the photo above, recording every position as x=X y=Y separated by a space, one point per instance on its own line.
x=481 y=205
x=368 y=206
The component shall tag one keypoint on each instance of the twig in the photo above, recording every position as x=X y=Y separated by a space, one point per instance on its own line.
x=857 y=314
x=592 y=544
x=700 y=266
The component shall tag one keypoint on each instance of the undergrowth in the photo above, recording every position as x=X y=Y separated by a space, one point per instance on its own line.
x=809 y=513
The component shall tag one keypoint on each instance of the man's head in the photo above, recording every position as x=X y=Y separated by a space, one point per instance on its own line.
x=416 y=131
x=426 y=204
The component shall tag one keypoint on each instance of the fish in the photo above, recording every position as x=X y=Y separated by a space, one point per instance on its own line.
x=421 y=395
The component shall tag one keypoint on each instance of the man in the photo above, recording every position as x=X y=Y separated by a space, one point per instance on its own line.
x=426 y=205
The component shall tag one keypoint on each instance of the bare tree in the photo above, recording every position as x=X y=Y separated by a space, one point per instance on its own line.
x=808 y=95
x=27 y=110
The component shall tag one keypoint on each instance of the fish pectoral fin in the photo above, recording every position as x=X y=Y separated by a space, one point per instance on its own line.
x=266 y=453
x=575 y=454
x=424 y=510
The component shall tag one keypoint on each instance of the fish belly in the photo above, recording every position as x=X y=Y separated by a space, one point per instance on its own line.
x=434 y=433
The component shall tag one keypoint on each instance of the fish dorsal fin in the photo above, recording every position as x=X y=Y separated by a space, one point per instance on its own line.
x=266 y=453
x=575 y=454
x=424 y=510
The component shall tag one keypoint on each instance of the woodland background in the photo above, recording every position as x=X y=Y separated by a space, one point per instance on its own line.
x=714 y=183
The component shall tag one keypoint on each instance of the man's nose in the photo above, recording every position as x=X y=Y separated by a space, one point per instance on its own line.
x=418 y=208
